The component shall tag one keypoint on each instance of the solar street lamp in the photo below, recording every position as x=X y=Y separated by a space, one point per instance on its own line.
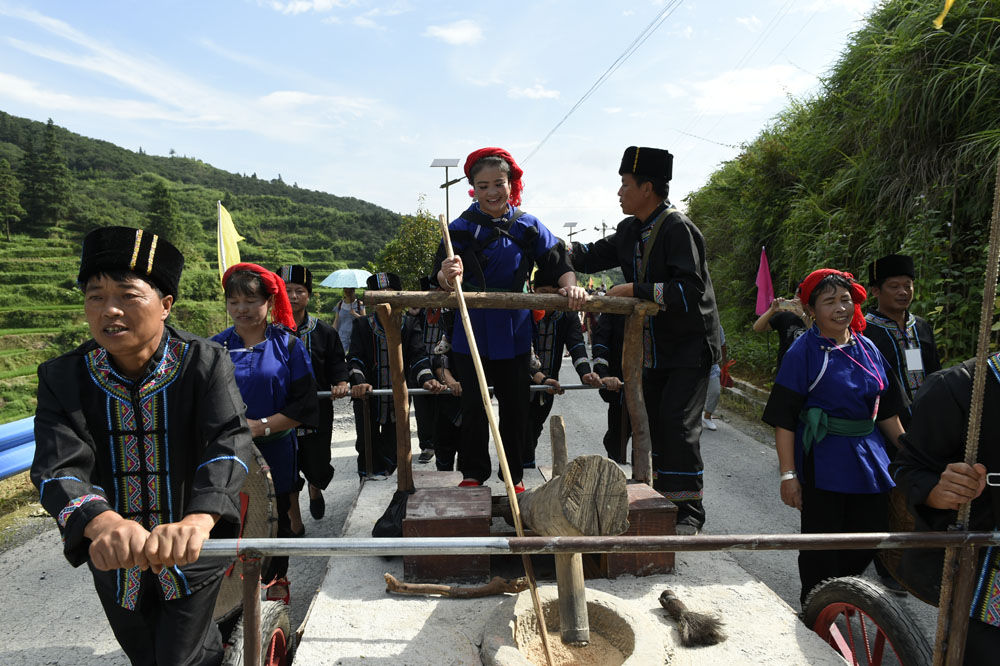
x=447 y=163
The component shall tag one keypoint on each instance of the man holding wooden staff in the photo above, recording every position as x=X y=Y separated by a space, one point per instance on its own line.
x=662 y=254
x=929 y=470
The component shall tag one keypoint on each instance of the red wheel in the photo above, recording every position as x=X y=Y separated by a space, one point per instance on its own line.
x=864 y=625
x=276 y=652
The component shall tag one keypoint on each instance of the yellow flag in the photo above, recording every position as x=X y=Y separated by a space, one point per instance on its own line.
x=939 y=21
x=229 y=253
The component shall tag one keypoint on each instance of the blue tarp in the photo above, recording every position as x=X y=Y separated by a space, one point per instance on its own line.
x=17 y=446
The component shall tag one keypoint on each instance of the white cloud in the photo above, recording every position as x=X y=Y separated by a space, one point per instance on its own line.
x=537 y=91
x=161 y=93
x=752 y=23
x=748 y=89
x=460 y=32
x=675 y=91
x=366 y=22
x=294 y=7
x=611 y=110
x=856 y=8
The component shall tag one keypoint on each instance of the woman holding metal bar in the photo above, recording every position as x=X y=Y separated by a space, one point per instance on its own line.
x=274 y=374
x=497 y=244
x=834 y=408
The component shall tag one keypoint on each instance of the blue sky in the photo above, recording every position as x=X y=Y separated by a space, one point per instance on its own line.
x=356 y=98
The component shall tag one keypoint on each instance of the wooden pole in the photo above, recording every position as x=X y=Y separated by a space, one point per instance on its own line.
x=484 y=393
x=642 y=461
x=251 y=610
x=392 y=322
x=510 y=301
x=958 y=574
x=574 y=623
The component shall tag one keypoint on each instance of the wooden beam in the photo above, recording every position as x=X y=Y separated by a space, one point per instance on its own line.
x=642 y=461
x=510 y=301
x=392 y=322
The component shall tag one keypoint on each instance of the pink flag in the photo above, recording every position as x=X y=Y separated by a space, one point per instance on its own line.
x=765 y=291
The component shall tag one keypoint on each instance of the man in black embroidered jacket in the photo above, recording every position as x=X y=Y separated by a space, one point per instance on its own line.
x=141 y=443
x=930 y=471
x=905 y=340
x=326 y=352
x=681 y=343
x=369 y=369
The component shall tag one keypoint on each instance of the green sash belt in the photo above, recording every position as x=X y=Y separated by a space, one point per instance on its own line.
x=819 y=424
x=273 y=437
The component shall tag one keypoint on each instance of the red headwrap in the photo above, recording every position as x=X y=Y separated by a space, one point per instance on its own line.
x=515 y=171
x=273 y=285
x=858 y=293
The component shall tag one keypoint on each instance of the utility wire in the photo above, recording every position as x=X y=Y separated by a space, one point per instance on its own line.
x=646 y=33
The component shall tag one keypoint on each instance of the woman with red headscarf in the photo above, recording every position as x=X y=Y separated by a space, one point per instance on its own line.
x=276 y=381
x=496 y=245
x=833 y=406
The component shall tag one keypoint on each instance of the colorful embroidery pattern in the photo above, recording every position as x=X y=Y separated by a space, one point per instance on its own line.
x=986 y=602
x=682 y=495
x=139 y=440
x=75 y=504
x=904 y=340
x=658 y=293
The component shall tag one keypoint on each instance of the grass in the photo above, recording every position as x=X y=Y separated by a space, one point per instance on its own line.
x=27 y=331
x=18 y=500
x=20 y=371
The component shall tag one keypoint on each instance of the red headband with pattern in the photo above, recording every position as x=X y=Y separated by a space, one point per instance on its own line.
x=858 y=293
x=516 y=187
x=273 y=285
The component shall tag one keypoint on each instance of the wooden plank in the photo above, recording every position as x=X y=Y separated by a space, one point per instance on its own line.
x=642 y=461
x=392 y=322
x=649 y=514
x=447 y=512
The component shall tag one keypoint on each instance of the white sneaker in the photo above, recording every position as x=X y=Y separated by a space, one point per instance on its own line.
x=709 y=424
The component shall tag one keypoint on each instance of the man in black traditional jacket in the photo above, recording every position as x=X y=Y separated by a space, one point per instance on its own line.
x=662 y=254
x=905 y=340
x=930 y=471
x=330 y=369
x=369 y=369
x=140 y=452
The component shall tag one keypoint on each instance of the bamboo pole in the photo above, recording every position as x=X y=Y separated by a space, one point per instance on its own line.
x=392 y=322
x=484 y=393
x=956 y=595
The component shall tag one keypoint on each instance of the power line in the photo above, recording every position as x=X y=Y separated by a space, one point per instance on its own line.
x=640 y=39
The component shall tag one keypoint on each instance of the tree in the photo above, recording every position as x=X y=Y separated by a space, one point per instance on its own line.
x=46 y=180
x=410 y=255
x=163 y=218
x=10 y=191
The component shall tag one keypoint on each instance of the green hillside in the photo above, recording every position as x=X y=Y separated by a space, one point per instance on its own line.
x=99 y=184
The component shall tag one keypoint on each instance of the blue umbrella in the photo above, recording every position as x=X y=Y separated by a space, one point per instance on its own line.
x=346 y=277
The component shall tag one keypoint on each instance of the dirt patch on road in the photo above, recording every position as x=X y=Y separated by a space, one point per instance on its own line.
x=21 y=516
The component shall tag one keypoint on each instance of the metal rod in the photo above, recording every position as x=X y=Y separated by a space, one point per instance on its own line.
x=350 y=547
x=534 y=389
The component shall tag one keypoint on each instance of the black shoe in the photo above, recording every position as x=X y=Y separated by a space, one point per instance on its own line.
x=425 y=456
x=317 y=507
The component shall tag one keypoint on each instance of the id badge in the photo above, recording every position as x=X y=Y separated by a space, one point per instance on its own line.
x=914 y=361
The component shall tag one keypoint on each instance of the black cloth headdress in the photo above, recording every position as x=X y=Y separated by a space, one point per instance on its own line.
x=297 y=274
x=889 y=266
x=126 y=249
x=383 y=281
x=651 y=162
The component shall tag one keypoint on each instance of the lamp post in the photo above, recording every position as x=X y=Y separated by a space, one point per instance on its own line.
x=603 y=229
x=447 y=162
x=570 y=225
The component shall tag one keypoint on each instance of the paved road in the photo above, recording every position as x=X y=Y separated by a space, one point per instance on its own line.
x=40 y=590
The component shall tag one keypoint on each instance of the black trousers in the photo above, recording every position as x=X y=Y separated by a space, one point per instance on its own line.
x=383 y=438
x=314 y=450
x=828 y=511
x=675 y=398
x=447 y=435
x=425 y=408
x=160 y=633
x=538 y=413
x=982 y=644
x=510 y=380
x=617 y=410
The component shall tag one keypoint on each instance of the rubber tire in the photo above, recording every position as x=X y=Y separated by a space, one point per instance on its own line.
x=911 y=648
x=273 y=618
